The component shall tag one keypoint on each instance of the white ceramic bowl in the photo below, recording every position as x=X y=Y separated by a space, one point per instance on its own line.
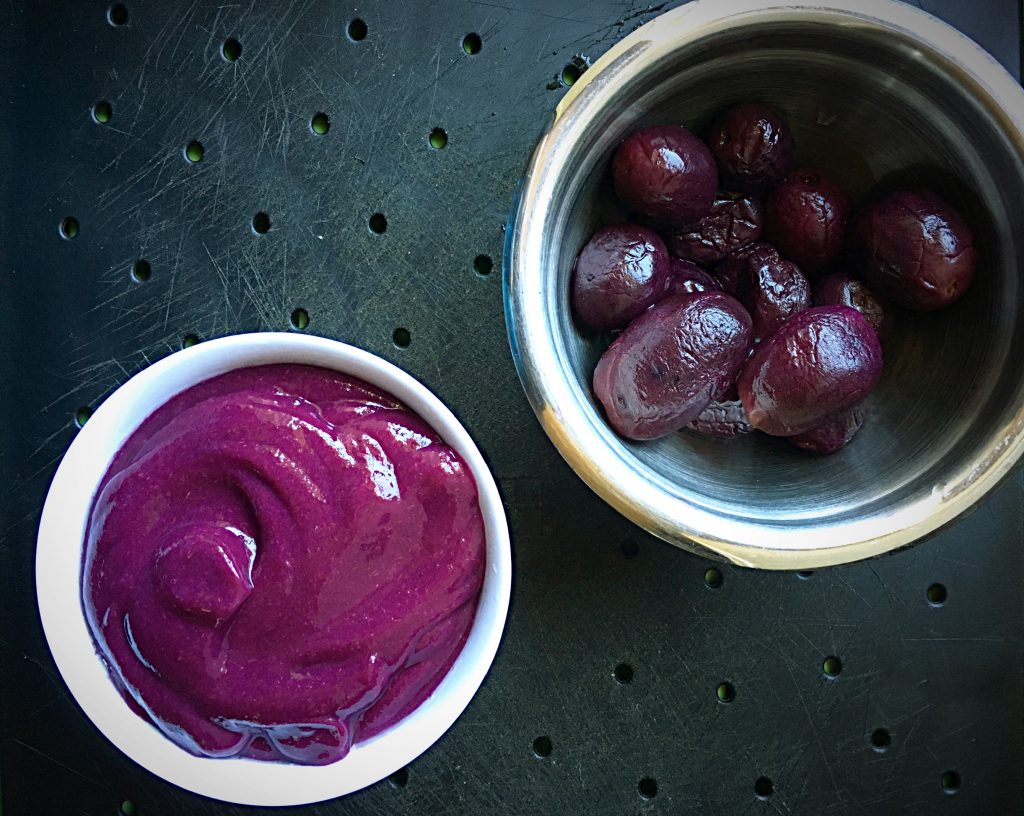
x=59 y=572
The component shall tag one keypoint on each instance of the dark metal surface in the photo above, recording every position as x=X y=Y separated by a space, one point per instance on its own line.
x=591 y=591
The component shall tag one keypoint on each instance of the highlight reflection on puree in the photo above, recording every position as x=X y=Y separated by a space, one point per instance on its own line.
x=282 y=561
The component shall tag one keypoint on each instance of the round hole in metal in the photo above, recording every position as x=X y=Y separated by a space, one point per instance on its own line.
x=400 y=778
x=117 y=15
x=231 y=49
x=482 y=265
x=69 y=227
x=194 y=152
x=261 y=223
x=102 y=111
x=438 y=138
x=832 y=666
x=141 y=271
x=82 y=415
x=320 y=123
x=937 y=594
x=401 y=337
x=357 y=30
x=570 y=73
x=950 y=782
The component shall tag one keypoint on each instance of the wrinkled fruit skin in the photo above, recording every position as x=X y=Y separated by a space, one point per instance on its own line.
x=833 y=433
x=665 y=368
x=778 y=290
x=912 y=247
x=723 y=419
x=753 y=147
x=686 y=278
x=839 y=289
x=732 y=224
x=821 y=361
x=806 y=219
x=667 y=174
x=733 y=274
x=621 y=271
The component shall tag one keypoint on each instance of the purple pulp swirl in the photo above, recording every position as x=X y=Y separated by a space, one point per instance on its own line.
x=280 y=562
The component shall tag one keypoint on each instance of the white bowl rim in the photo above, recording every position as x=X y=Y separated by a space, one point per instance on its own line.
x=59 y=565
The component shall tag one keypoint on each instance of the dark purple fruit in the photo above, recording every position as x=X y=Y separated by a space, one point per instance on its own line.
x=669 y=363
x=686 y=278
x=778 y=290
x=732 y=224
x=821 y=361
x=724 y=419
x=839 y=289
x=912 y=247
x=833 y=433
x=621 y=271
x=753 y=147
x=734 y=272
x=806 y=219
x=665 y=173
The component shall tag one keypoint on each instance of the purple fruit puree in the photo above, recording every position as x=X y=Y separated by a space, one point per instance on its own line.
x=282 y=561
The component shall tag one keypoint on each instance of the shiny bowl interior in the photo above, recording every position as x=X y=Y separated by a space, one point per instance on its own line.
x=878 y=94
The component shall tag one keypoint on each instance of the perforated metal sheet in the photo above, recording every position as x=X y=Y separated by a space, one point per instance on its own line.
x=591 y=591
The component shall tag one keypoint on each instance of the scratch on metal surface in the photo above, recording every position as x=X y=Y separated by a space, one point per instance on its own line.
x=183 y=26
x=56 y=761
x=437 y=76
x=174 y=276
x=814 y=727
x=229 y=317
x=35 y=712
x=60 y=429
x=531 y=12
x=942 y=639
x=893 y=597
x=839 y=576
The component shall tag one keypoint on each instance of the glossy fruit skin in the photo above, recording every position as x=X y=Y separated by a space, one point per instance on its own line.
x=733 y=273
x=623 y=269
x=806 y=218
x=753 y=146
x=778 y=290
x=914 y=248
x=724 y=419
x=833 y=433
x=686 y=277
x=821 y=361
x=669 y=363
x=665 y=173
x=732 y=224
x=840 y=289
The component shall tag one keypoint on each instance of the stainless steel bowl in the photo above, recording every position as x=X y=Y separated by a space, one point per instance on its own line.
x=877 y=92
